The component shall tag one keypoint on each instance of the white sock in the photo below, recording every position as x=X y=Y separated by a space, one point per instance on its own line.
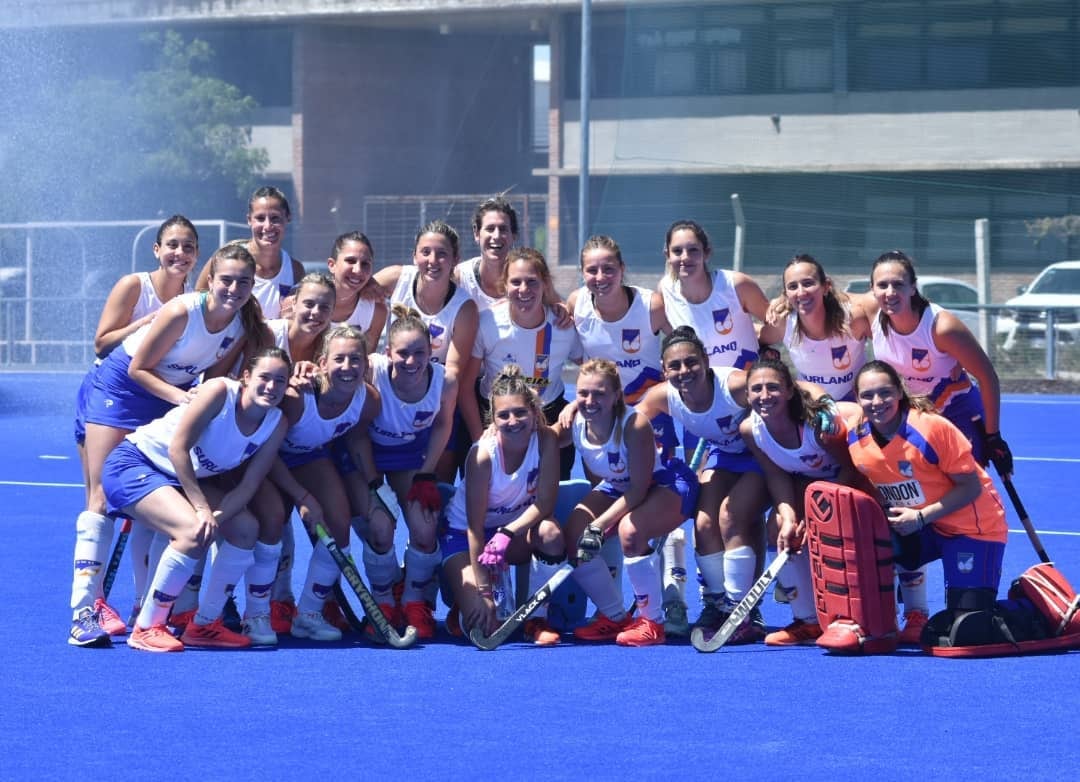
x=800 y=587
x=673 y=566
x=158 y=544
x=419 y=572
x=227 y=567
x=644 y=575
x=139 y=547
x=188 y=599
x=260 y=578
x=539 y=573
x=611 y=552
x=322 y=574
x=739 y=565
x=913 y=589
x=595 y=578
x=382 y=572
x=93 y=537
x=283 y=591
x=711 y=568
x=172 y=574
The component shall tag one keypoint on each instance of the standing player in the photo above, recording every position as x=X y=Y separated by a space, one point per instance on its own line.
x=495 y=230
x=941 y=504
x=408 y=437
x=150 y=371
x=522 y=331
x=637 y=497
x=352 y=264
x=501 y=511
x=163 y=474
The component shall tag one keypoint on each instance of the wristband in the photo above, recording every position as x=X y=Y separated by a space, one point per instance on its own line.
x=921 y=518
x=505 y=531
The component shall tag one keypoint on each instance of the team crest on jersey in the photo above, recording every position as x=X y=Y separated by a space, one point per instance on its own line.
x=422 y=418
x=631 y=340
x=722 y=321
x=437 y=333
x=540 y=364
x=812 y=460
x=249 y=449
x=224 y=347
x=616 y=462
x=965 y=562
x=725 y=423
x=531 y=480
x=841 y=358
x=341 y=429
x=920 y=359
x=905 y=469
x=284 y=289
x=260 y=590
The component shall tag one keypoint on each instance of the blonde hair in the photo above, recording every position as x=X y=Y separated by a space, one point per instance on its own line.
x=511 y=382
x=607 y=369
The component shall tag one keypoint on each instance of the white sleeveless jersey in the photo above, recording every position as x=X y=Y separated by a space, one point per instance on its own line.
x=270 y=291
x=196 y=350
x=720 y=423
x=361 y=316
x=469 y=280
x=399 y=422
x=279 y=328
x=831 y=363
x=629 y=341
x=313 y=431
x=441 y=324
x=148 y=301
x=720 y=322
x=540 y=352
x=608 y=461
x=924 y=368
x=508 y=494
x=809 y=460
x=220 y=447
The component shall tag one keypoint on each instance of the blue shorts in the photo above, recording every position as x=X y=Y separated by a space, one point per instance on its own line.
x=968 y=563
x=673 y=475
x=293 y=460
x=732 y=462
x=128 y=476
x=454 y=541
x=118 y=401
x=399 y=458
x=80 y=405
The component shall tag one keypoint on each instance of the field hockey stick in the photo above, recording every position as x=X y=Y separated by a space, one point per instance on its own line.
x=742 y=610
x=514 y=622
x=371 y=608
x=1033 y=536
x=114 y=560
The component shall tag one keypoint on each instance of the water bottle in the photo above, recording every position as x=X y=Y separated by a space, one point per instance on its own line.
x=502 y=592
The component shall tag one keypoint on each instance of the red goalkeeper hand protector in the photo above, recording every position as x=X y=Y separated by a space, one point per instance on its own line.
x=425 y=490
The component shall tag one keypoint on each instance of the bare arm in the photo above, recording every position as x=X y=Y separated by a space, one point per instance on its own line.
x=750 y=295
x=164 y=332
x=467 y=404
x=462 y=339
x=953 y=337
x=640 y=454
x=444 y=423
x=115 y=323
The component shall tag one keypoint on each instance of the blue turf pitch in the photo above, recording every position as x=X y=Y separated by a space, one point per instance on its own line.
x=446 y=710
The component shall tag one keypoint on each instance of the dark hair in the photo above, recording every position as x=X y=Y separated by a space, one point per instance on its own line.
x=176 y=220
x=351 y=236
x=602 y=242
x=836 y=320
x=270 y=193
x=495 y=204
x=919 y=303
x=270 y=352
x=802 y=406
x=684 y=334
x=251 y=318
x=443 y=229
x=532 y=256
x=907 y=400
x=687 y=225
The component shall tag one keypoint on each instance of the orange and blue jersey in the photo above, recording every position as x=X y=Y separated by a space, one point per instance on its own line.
x=912 y=470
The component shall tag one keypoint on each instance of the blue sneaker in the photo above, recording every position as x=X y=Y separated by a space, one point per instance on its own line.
x=85 y=630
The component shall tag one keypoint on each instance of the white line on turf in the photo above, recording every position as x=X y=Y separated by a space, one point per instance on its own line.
x=1045 y=459
x=42 y=483
x=1047 y=532
x=53 y=457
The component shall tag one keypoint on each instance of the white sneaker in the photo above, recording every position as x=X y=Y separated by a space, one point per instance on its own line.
x=310 y=624
x=258 y=629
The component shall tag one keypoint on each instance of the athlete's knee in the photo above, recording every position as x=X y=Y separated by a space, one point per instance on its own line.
x=548 y=537
x=241 y=530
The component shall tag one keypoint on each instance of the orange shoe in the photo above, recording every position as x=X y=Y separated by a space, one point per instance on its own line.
x=419 y=614
x=214 y=635
x=914 y=622
x=154 y=639
x=391 y=613
x=641 y=632
x=453 y=622
x=540 y=633
x=602 y=629
x=281 y=615
x=333 y=614
x=109 y=620
x=180 y=620
x=798 y=633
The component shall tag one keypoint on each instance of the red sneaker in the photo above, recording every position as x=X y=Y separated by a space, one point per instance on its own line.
x=180 y=620
x=641 y=632
x=798 y=633
x=281 y=615
x=214 y=635
x=109 y=620
x=332 y=613
x=914 y=622
x=419 y=614
x=602 y=629
x=154 y=639
x=538 y=631
x=453 y=622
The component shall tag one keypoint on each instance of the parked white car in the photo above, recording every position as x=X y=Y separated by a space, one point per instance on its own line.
x=1056 y=286
x=957 y=296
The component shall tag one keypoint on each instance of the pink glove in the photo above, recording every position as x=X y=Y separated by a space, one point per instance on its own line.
x=494 y=553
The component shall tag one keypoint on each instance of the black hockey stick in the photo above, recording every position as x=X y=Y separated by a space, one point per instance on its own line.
x=517 y=619
x=114 y=560
x=1033 y=536
x=742 y=610
x=371 y=608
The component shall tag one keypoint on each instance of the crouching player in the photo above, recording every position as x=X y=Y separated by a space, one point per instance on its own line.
x=163 y=475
